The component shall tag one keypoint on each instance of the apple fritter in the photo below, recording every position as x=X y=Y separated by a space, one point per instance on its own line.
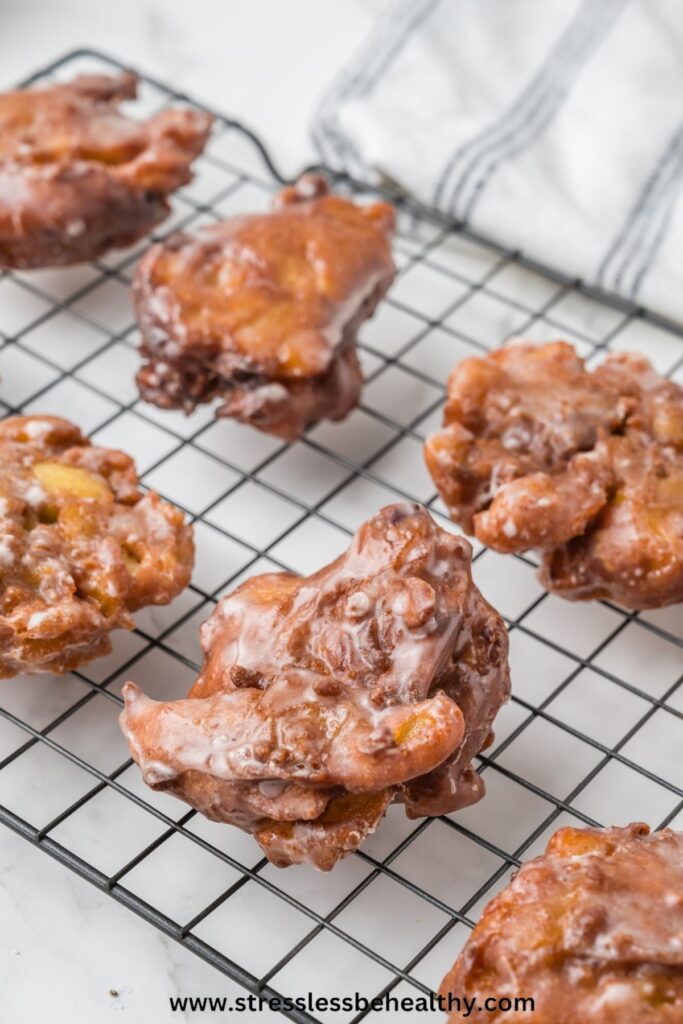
x=81 y=547
x=78 y=177
x=538 y=452
x=322 y=699
x=262 y=311
x=590 y=931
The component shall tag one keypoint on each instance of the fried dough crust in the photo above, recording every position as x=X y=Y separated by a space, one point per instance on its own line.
x=322 y=699
x=78 y=177
x=538 y=452
x=592 y=931
x=262 y=310
x=81 y=547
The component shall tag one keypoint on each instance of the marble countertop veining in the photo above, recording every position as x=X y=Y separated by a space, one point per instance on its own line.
x=68 y=953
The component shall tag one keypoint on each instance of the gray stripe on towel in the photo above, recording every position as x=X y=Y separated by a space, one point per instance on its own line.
x=359 y=77
x=469 y=170
x=629 y=258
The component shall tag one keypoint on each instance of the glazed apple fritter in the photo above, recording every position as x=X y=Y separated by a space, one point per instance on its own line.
x=80 y=546
x=78 y=177
x=591 y=931
x=322 y=699
x=262 y=311
x=537 y=452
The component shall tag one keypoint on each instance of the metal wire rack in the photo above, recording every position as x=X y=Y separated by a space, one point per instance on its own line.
x=595 y=727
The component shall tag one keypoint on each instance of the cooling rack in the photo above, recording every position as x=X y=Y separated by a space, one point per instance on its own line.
x=594 y=731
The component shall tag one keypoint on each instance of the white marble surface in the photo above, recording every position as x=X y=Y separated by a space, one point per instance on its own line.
x=70 y=953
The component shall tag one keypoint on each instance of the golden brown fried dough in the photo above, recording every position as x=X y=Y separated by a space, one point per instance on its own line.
x=262 y=311
x=80 y=546
x=324 y=698
x=592 y=931
x=537 y=452
x=78 y=177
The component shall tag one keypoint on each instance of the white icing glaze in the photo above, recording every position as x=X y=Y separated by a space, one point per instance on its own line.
x=357 y=605
x=7 y=554
x=510 y=528
x=37 y=428
x=272 y=787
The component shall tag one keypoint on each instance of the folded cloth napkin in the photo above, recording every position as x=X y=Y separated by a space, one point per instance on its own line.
x=550 y=126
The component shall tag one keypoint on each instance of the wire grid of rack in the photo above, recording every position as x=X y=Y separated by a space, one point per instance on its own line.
x=593 y=733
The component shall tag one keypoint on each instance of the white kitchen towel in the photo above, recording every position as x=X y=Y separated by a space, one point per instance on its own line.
x=551 y=126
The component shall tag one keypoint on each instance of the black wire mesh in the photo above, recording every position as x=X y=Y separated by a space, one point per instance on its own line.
x=595 y=727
